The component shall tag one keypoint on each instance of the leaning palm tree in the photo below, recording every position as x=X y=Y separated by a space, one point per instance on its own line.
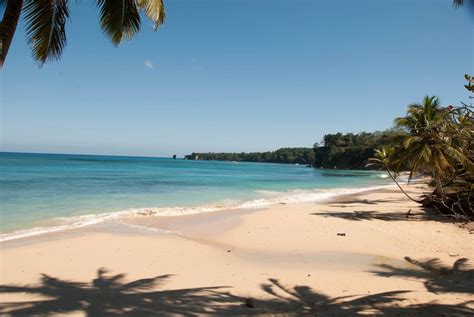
x=46 y=23
x=385 y=158
x=429 y=146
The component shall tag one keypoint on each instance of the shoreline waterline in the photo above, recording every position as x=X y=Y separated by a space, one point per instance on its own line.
x=60 y=224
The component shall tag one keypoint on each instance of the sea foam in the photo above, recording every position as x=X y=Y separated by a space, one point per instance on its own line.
x=267 y=198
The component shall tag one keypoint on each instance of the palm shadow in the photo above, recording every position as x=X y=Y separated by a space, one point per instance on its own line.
x=356 y=201
x=373 y=215
x=436 y=277
x=111 y=295
x=303 y=301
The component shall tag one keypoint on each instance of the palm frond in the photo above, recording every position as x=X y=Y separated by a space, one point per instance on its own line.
x=119 y=19
x=46 y=28
x=411 y=140
x=154 y=10
x=426 y=153
x=458 y=156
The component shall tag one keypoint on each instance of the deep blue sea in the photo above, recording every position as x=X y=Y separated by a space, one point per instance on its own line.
x=39 y=192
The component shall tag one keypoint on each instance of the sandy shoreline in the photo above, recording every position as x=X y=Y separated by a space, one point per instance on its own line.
x=56 y=226
x=288 y=258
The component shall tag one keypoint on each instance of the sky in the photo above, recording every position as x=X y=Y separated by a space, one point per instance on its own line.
x=234 y=75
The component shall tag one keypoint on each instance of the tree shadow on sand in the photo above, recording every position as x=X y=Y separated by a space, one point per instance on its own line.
x=110 y=295
x=302 y=300
x=357 y=201
x=375 y=215
x=436 y=277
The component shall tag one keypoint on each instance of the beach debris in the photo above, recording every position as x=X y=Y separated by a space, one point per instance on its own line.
x=408 y=213
x=228 y=251
x=282 y=203
x=454 y=255
x=341 y=234
x=309 y=274
x=249 y=302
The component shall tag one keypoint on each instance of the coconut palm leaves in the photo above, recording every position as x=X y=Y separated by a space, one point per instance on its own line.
x=154 y=10
x=422 y=117
x=440 y=143
x=430 y=145
x=119 y=19
x=46 y=28
x=46 y=21
x=386 y=158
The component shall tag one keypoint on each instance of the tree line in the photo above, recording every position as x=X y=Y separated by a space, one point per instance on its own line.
x=283 y=155
x=341 y=151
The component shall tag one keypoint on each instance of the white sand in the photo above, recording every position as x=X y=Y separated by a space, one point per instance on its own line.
x=295 y=244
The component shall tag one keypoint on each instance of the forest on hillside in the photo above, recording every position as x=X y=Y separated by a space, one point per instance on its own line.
x=344 y=151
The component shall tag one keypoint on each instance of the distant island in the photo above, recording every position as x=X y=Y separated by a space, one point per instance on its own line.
x=341 y=151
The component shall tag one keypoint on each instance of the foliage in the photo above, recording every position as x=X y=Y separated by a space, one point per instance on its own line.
x=283 y=155
x=439 y=142
x=384 y=158
x=352 y=151
x=470 y=83
x=343 y=151
x=46 y=23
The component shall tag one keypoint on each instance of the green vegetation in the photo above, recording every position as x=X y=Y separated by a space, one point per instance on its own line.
x=342 y=151
x=352 y=151
x=283 y=155
x=46 y=23
x=439 y=143
x=383 y=159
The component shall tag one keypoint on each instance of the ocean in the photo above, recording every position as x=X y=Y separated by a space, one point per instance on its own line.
x=49 y=192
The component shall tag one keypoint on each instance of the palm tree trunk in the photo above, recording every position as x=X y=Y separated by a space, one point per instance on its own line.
x=8 y=26
x=439 y=188
x=403 y=191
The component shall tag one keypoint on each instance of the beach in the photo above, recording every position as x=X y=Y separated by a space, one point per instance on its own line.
x=374 y=252
x=236 y=158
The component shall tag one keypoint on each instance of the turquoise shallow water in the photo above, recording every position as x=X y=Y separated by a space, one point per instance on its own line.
x=36 y=188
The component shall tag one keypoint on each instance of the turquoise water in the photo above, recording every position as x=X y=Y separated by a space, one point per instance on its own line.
x=36 y=188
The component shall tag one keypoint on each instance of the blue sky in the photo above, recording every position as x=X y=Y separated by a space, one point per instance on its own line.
x=235 y=75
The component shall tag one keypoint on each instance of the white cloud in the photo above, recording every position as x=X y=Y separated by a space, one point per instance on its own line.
x=148 y=63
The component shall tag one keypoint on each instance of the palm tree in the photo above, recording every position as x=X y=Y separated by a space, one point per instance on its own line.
x=421 y=116
x=429 y=146
x=46 y=23
x=385 y=159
